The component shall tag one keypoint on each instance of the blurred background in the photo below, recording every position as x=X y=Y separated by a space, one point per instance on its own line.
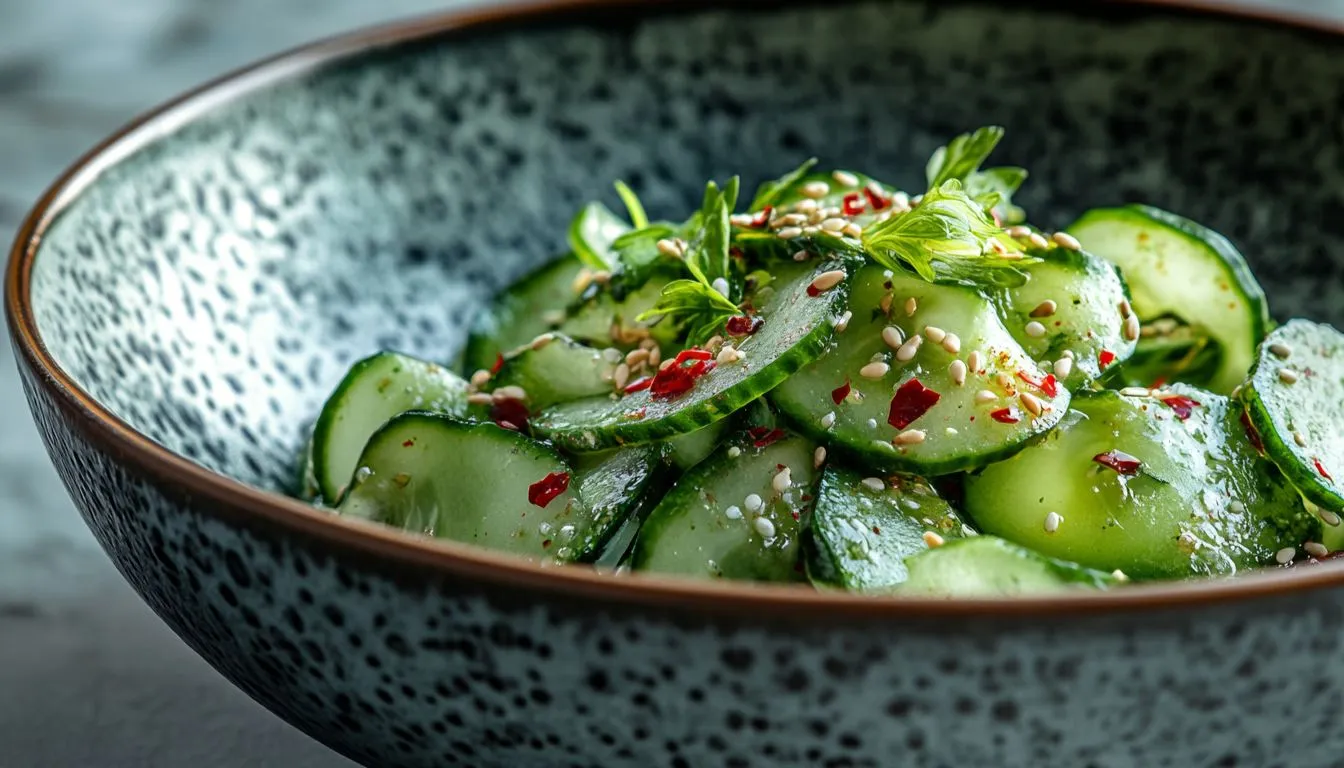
x=88 y=676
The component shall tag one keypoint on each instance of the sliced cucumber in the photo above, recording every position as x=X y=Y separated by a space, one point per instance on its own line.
x=796 y=328
x=1072 y=305
x=726 y=519
x=987 y=566
x=1176 y=267
x=376 y=389
x=604 y=318
x=1126 y=483
x=860 y=535
x=556 y=369
x=685 y=451
x=1170 y=351
x=525 y=310
x=592 y=232
x=961 y=430
x=1295 y=400
x=613 y=486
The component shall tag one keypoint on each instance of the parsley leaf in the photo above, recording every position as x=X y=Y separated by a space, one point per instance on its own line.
x=771 y=192
x=961 y=159
x=591 y=234
x=702 y=308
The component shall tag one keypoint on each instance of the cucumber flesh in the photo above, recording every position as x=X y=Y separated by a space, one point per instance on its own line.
x=613 y=486
x=1201 y=500
x=960 y=431
x=685 y=451
x=556 y=369
x=604 y=319
x=373 y=391
x=725 y=518
x=1170 y=351
x=987 y=566
x=797 y=327
x=1295 y=400
x=523 y=311
x=1176 y=267
x=860 y=536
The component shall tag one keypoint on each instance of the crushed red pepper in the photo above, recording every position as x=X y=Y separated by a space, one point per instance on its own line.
x=499 y=363
x=1105 y=358
x=638 y=385
x=1252 y=433
x=839 y=394
x=762 y=218
x=1119 y=461
x=878 y=202
x=510 y=413
x=1049 y=385
x=1005 y=416
x=853 y=204
x=1181 y=405
x=743 y=325
x=764 y=436
x=545 y=490
x=1320 y=469
x=911 y=401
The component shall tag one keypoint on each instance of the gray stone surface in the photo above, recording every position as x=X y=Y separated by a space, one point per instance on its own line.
x=88 y=676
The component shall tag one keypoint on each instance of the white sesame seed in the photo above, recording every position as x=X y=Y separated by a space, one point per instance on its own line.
x=872 y=423
x=802 y=256
x=511 y=392
x=1236 y=507
x=740 y=219
x=1067 y=353
x=957 y=370
x=656 y=358
x=1132 y=328
x=828 y=280
x=908 y=350
x=1136 y=392
x=816 y=189
x=952 y=343
x=1019 y=231
x=789 y=233
x=720 y=285
x=1065 y=240
x=1285 y=556
x=985 y=396
x=734 y=452
x=752 y=503
x=733 y=512
x=480 y=378
x=764 y=527
x=1037 y=241
x=909 y=437
x=951 y=431
x=819 y=457
x=727 y=355
x=806 y=205
x=480 y=398
x=542 y=340
x=833 y=225
x=783 y=480
x=973 y=360
x=789 y=220
x=1035 y=329
x=637 y=357
x=828 y=420
x=1063 y=367
x=1045 y=309
x=1052 y=521
x=1287 y=375
x=845 y=179
x=874 y=370
x=1329 y=518
x=1315 y=549
x=935 y=334
x=1299 y=439
x=669 y=248
x=910 y=306
x=893 y=336
x=1281 y=350
x=853 y=230
x=1119 y=575
x=842 y=322
x=874 y=483
x=622 y=376
x=1031 y=403
x=932 y=539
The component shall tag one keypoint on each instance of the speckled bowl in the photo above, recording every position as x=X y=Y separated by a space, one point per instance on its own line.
x=183 y=300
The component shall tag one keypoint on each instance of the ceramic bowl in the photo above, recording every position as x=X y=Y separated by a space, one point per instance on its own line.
x=184 y=299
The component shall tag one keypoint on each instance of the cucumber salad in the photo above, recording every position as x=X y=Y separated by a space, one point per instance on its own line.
x=842 y=383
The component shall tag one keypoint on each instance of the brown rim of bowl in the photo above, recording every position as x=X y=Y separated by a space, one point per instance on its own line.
x=394 y=550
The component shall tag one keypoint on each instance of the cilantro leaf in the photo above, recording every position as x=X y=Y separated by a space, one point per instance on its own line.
x=694 y=303
x=961 y=159
x=591 y=234
x=707 y=256
x=771 y=192
x=638 y=218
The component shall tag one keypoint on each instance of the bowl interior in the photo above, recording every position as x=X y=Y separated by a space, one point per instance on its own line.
x=212 y=286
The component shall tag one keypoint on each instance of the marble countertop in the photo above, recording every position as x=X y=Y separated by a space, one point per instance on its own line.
x=88 y=676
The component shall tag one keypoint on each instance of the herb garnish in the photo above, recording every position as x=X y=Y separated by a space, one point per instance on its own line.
x=961 y=159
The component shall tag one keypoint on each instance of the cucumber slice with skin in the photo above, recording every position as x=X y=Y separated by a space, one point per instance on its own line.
x=860 y=536
x=1179 y=498
x=961 y=430
x=685 y=451
x=522 y=312
x=613 y=485
x=422 y=473
x=1295 y=399
x=1076 y=300
x=730 y=517
x=987 y=566
x=1177 y=267
x=373 y=391
x=556 y=369
x=602 y=319
x=796 y=328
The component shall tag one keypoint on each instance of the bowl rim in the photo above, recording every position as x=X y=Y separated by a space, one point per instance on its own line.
x=400 y=553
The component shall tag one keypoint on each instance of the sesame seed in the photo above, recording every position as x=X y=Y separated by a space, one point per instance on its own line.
x=1281 y=350
x=480 y=378
x=789 y=233
x=973 y=360
x=542 y=340
x=1236 y=391
x=669 y=248
x=1125 y=309
x=806 y=205
x=1136 y=392
x=740 y=219
x=910 y=437
x=1065 y=240
x=819 y=457
x=1019 y=231
x=728 y=355
x=893 y=336
x=952 y=343
x=637 y=357
x=734 y=452
x=1236 y=507
x=985 y=396
x=764 y=527
x=1037 y=241
x=828 y=280
x=811 y=231
x=480 y=398
x=828 y=420
x=783 y=480
x=932 y=539
x=1132 y=328
x=622 y=376
x=957 y=370
x=951 y=431
x=668 y=363
x=1315 y=549
x=935 y=334
x=833 y=225
x=1119 y=575
x=842 y=322
x=874 y=370
x=1045 y=309
x=845 y=179
x=853 y=230
x=802 y=256
x=753 y=503
x=1031 y=403
x=656 y=357
x=1067 y=353
x=511 y=392
x=1285 y=556
x=816 y=189
x=1063 y=367
x=874 y=483
x=1329 y=518
x=1052 y=521
x=1299 y=439
x=733 y=512
x=720 y=285
x=1035 y=329
x=872 y=424
x=1287 y=375
x=789 y=220
x=910 y=306
x=907 y=351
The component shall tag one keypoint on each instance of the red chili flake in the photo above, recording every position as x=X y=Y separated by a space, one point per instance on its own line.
x=510 y=413
x=546 y=544
x=700 y=368
x=499 y=363
x=813 y=291
x=877 y=530
x=743 y=325
x=1049 y=386
x=737 y=253
x=545 y=490
x=408 y=444
x=853 y=204
x=1320 y=469
x=1105 y=358
x=877 y=201
x=1181 y=405
x=911 y=401
x=638 y=385
x=1119 y=461
x=1159 y=381
x=1252 y=433
x=840 y=393
x=670 y=382
x=693 y=353
x=1005 y=416
x=763 y=436
x=761 y=219
x=796 y=515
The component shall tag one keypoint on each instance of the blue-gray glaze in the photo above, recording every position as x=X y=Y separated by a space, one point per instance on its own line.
x=211 y=289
